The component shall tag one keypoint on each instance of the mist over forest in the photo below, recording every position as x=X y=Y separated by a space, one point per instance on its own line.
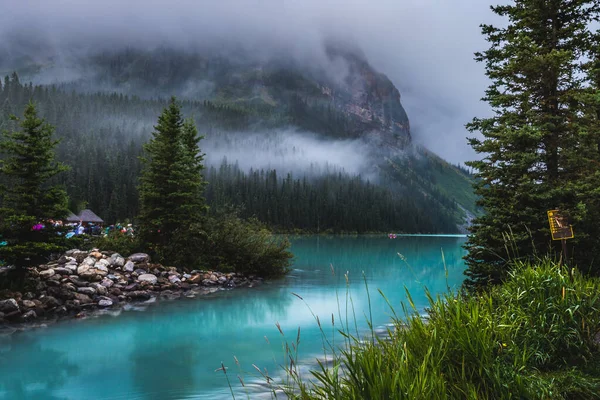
x=305 y=96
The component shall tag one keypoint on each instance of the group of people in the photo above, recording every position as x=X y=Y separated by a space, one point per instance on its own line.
x=125 y=229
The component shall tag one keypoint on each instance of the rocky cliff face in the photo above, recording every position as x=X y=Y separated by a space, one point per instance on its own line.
x=373 y=99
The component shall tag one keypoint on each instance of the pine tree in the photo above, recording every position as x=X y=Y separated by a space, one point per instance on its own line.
x=171 y=185
x=529 y=146
x=27 y=197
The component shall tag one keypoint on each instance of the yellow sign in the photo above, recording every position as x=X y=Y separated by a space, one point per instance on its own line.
x=559 y=225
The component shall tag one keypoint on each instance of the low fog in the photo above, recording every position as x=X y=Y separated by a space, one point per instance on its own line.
x=288 y=151
x=424 y=46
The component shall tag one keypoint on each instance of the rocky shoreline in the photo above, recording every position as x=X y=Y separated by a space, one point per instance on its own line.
x=81 y=282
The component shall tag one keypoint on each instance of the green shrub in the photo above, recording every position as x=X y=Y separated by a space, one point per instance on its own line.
x=245 y=246
x=120 y=242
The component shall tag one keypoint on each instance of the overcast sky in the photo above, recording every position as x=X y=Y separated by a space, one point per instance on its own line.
x=424 y=46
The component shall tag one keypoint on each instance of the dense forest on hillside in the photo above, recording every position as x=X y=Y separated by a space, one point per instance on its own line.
x=102 y=136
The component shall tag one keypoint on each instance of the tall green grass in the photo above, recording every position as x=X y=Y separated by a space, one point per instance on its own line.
x=534 y=337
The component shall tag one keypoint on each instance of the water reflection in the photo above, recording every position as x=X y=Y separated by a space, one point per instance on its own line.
x=20 y=379
x=172 y=349
x=163 y=361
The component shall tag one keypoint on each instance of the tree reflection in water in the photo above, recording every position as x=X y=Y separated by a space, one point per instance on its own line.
x=19 y=380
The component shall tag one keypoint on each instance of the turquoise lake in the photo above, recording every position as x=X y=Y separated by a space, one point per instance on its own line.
x=170 y=350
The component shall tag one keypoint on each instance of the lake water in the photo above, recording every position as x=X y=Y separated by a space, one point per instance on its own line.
x=170 y=350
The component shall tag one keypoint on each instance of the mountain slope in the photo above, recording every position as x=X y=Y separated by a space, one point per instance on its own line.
x=240 y=104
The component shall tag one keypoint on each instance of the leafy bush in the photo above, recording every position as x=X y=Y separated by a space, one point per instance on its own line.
x=117 y=241
x=245 y=246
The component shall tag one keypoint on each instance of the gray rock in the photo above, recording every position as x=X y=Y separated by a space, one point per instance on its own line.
x=117 y=260
x=62 y=271
x=139 y=258
x=102 y=265
x=72 y=267
x=83 y=268
x=87 y=290
x=148 y=278
x=50 y=301
x=187 y=276
x=105 y=303
x=63 y=260
x=89 y=261
x=129 y=267
x=139 y=294
x=60 y=293
x=174 y=279
x=83 y=298
x=29 y=315
x=28 y=304
x=47 y=273
x=107 y=283
x=8 y=306
x=77 y=281
x=70 y=286
x=101 y=290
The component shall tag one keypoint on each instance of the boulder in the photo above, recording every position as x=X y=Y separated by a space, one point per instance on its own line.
x=89 y=261
x=174 y=279
x=62 y=271
x=139 y=258
x=102 y=265
x=101 y=290
x=129 y=266
x=105 y=302
x=83 y=298
x=83 y=268
x=47 y=273
x=150 y=278
x=9 y=305
x=107 y=283
x=87 y=290
x=77 y=281
x=117 y=260
x=69 y=286
x=79 y=255
x=50 y=301
x=28 y=316
x=139 y=294
x=96 y=254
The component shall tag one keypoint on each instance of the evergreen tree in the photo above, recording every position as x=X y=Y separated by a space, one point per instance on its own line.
x=171 y=186
x=28 y=201
x=530 y=145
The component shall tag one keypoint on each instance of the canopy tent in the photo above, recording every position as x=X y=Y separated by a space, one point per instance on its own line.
x=85 y=216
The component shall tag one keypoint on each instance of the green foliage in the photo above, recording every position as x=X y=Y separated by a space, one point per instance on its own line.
x=172 y=208
x=103 y=136
x=118 y=241
x=245 y=246
x=532 y=338
x=27 y=197
x=540 y=149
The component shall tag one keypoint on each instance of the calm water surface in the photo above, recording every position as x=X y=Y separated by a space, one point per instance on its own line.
x=171 y=350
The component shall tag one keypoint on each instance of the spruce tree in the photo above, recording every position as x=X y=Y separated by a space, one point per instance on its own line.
x=28 y=199
x=530 y=162
x=171 y=184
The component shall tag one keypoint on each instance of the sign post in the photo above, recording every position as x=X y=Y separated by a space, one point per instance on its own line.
x=561 y=229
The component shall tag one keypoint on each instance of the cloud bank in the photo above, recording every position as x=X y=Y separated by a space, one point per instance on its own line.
x=424 y=46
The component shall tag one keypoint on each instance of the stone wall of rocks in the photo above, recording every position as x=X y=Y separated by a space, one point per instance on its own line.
x=80 y=281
